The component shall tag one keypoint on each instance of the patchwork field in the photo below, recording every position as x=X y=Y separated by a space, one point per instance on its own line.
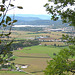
x=28 y=34
x=52 y=43
x=35 y=57
x=22 y=35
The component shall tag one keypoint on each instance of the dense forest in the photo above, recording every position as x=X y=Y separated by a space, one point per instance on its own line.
x=20 y=44
x=33 y=29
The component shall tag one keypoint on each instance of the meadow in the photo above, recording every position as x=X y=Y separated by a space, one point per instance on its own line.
x=36 y=57
x=12 y=73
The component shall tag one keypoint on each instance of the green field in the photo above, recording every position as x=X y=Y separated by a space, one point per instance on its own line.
x=36 y=57
x=48 y=50
x=12 y=73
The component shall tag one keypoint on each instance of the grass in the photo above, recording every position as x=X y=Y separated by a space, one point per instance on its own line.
x=12 y=73
x=39 y=50
x=36 y=57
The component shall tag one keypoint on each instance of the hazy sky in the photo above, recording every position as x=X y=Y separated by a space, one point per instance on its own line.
x=29 y=7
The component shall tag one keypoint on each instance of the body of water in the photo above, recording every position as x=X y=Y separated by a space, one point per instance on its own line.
x=30 y=25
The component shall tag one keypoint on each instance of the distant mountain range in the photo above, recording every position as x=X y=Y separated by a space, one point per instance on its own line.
x=30 y=19
x=43 y=17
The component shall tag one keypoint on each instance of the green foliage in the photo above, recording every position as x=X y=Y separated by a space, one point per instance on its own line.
x=3 y=1
x=67 y=16
x=14 y=21
x=19 y=7
x=54 y=44
x=32 y=29
x=5 y=22
x=69 y=39
x=23 y=43
x=64 y=61
x=11 y=5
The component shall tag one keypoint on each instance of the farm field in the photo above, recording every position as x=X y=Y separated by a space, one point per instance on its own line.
x=39 y=49
x=22 y=35
x=31 y=35
x=12 y=73
x=52 y=43
x=35 y=57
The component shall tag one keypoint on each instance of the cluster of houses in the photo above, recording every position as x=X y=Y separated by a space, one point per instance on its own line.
x=54 y=30
x=48 y=39
x=17 y=66
x=66 y=29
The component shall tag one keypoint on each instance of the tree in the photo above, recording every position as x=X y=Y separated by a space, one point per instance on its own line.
x=6 y=23
x=54 y=44
x=67 y=16
x=64 y=61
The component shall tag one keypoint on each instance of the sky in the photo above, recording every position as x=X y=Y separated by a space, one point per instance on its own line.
x=29 y=7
